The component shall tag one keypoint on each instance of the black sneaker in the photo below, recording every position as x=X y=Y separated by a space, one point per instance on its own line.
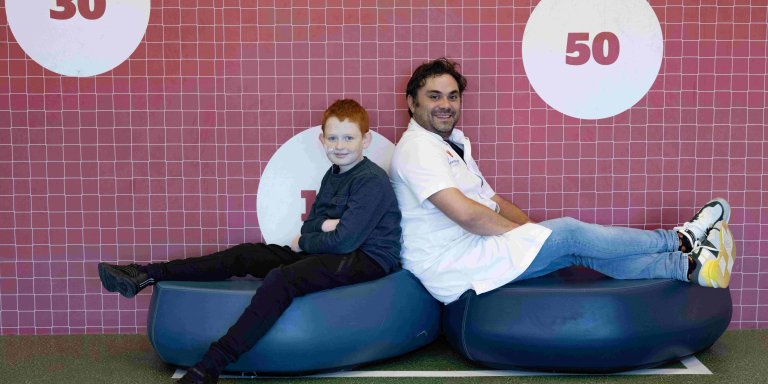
x=196 y=376
x=126 y=279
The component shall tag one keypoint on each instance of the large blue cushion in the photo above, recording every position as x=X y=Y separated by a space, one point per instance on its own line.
x=327 y=330
x=581 y=321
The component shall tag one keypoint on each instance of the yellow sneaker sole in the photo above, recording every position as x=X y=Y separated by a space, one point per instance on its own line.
x=716 y=272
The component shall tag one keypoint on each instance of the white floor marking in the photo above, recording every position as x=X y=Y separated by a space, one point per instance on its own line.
x=692 y=367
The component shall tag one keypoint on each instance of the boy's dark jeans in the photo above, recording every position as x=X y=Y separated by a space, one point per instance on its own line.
x=286 y=274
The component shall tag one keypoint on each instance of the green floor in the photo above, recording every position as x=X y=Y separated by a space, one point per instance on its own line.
x=738 y=357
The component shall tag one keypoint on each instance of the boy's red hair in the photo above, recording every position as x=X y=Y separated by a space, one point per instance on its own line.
x=347 y=109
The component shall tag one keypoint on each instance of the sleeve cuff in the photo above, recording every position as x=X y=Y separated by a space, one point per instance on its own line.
x=424 y=194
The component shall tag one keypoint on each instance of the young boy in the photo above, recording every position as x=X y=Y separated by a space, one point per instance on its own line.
x=352 y=235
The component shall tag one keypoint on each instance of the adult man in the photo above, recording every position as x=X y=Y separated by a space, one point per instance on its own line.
x=459 y=235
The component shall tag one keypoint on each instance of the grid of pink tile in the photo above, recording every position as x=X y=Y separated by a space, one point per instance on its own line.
x=160 y=158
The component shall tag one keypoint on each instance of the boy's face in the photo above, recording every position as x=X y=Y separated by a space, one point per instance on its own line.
x=343 y=142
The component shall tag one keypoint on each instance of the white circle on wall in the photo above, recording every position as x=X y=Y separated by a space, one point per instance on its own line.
x=293 y=174
x=78 y=37
x=592 y=59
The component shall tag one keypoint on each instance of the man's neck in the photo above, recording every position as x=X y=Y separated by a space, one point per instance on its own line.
x=443 y=135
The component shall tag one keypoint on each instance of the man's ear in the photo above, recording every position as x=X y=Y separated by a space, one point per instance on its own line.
x=410 y=100
x=367 y=139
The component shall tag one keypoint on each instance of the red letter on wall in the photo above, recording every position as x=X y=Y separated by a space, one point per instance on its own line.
x=309 y=199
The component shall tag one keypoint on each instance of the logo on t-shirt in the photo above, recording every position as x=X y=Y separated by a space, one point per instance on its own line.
x=452 y=160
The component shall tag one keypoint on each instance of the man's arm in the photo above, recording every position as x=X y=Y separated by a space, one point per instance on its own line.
x=469 y=214
x=511 y=211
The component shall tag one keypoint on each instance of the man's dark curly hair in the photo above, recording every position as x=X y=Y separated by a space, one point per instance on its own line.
x=433 y=68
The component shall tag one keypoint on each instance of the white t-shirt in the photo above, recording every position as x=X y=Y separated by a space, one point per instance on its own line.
x=446 y=258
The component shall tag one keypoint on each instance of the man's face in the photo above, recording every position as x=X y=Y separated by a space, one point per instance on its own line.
x=343 y=142
x=437 y=106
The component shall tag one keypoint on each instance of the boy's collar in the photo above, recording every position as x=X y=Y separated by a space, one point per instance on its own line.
x=336 y=170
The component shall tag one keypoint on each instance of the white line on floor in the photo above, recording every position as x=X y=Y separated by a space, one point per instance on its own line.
x=692 y=367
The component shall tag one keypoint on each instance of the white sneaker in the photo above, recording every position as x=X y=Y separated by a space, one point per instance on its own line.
x=715 y=257
x=704 y=220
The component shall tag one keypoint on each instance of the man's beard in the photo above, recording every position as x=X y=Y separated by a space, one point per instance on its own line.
x=440 y=126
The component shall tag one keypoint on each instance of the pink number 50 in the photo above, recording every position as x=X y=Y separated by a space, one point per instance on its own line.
x=605 y=48
x=69 y=10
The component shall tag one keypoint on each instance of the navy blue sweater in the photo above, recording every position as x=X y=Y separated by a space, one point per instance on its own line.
x=363 y=199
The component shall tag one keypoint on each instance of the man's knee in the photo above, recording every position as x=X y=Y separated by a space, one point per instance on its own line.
x=564 y=226
x=563 y=223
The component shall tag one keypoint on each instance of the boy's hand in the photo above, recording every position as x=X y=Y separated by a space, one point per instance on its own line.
x=329 y=225
x=295 y=244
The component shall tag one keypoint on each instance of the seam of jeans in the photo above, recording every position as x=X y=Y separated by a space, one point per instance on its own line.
x=464 y=327
x=637 y=284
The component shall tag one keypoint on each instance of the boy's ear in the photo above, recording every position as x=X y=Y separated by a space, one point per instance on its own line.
x=367 y=139
x=320 y=137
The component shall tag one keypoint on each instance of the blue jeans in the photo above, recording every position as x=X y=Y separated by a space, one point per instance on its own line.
x=618 y=252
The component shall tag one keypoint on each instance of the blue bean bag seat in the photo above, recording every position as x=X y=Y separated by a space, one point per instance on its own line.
x=328 y=330
x=577 y=320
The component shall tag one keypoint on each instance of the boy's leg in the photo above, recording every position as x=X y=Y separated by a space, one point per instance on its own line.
x=279 y=288
x=619 y=252
x=254 y=259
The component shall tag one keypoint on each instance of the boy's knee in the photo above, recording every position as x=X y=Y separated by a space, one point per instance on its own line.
x=236 y=258
x=242 y=249
x=277 y=281
x=274 y=277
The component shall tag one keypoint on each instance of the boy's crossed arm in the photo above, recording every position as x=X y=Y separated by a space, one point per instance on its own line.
x=329 y=225
x=363 y=212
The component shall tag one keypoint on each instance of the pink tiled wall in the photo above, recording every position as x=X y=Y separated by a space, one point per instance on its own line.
x=160 y=158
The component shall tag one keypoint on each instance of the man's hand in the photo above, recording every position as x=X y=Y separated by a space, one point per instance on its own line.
x=329 y=225
x=295 y=244
x=469 y=214
x=511 y=211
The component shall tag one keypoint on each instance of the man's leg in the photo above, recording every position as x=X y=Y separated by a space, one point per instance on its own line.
x=279 y=288
x=623 y=253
